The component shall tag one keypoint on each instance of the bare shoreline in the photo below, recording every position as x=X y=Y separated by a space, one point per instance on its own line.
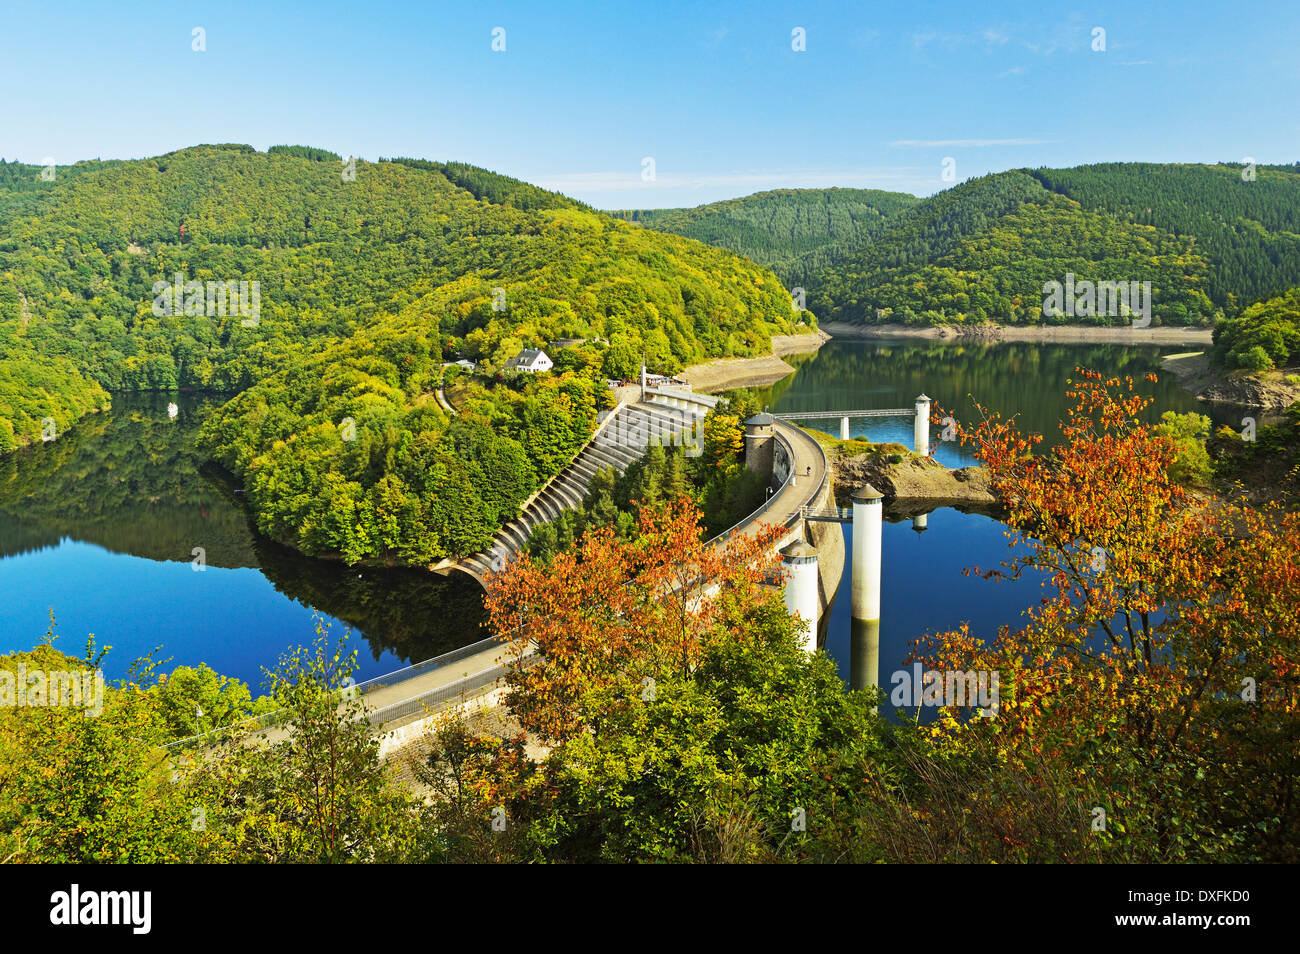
x=1058 y=334
x=722 y=374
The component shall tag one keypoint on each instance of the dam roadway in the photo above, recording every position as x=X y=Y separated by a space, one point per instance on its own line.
x=806 y=486
x=402 y=704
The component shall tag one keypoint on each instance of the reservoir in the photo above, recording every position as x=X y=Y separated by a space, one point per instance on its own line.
x=107 y=526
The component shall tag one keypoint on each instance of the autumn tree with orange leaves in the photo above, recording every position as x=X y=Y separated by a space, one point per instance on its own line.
x=591 y=629
x=682 y=717
x=1160 y=671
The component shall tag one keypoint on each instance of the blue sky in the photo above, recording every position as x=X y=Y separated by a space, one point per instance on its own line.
x=713 y=92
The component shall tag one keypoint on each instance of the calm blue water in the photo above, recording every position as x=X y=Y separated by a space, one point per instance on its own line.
x=923 y=588
x=232 y=619
x=99 y=526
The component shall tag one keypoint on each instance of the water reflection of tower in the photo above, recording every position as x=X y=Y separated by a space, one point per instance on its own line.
x=864 y=639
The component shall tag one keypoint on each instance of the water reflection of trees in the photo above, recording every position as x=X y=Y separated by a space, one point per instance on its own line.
x=1022 y=378
x=133 y=482
x=410 y=612
x=128 y=481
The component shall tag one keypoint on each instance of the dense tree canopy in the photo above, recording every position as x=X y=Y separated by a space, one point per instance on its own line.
x=1210 y=239
x=1265 y=335
x=983 y=251
x=776 y=228
x=364 y=287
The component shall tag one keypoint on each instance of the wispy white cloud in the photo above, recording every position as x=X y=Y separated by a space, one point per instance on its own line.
x=864 y=38
x=949 y=41
x=989 y=37
x=965 y=143
x=713 y=40
x=1014 y=71
x=1138 y=63
x=1072 y=36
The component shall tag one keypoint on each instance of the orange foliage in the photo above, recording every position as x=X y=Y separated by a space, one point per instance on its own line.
x=1162 y=610
x=604 y=615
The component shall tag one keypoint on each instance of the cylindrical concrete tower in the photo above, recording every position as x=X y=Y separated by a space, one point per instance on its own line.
x=760 y=443
x=920 y=522
x=802 y=598
x=921 y=426
x=867 y=528
x=864 y=644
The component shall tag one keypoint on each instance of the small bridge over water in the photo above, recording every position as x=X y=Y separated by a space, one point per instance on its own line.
x=920 y=412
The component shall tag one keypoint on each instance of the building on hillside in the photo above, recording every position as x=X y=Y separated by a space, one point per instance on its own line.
x=650 y=380
x=530 y=361
x=466 y=364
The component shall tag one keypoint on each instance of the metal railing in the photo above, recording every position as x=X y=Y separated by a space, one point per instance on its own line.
x=436 y=697
x=428 y=665
x=828 y=415
x=767 y=504
x=269 y=720
x=770 y=502
x=829 y=514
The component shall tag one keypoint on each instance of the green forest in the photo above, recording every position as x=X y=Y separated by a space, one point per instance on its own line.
x=1266 y=335
x=365 y=287
x=790 y=230
x=1211 y=239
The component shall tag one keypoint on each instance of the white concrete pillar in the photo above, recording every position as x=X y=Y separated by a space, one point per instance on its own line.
x=802 y=597
x=921 y=427
x=864 y=642
x=868 y=513
x=920 y=522
x=844 y=428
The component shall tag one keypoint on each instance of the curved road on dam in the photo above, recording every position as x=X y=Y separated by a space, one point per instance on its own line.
x=801 y=488
x=465 y=674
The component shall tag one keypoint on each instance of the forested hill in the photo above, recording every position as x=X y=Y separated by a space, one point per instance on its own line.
x=365 y=286
x=1249 y=230
x=1210 y=240
x=776 y=228
x=984 y=250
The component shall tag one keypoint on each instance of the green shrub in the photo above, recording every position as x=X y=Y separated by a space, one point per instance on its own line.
x=1256 y=359
x=1191 y=465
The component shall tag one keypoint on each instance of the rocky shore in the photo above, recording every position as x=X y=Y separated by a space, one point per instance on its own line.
x=1267 y=390
x=911 y=483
